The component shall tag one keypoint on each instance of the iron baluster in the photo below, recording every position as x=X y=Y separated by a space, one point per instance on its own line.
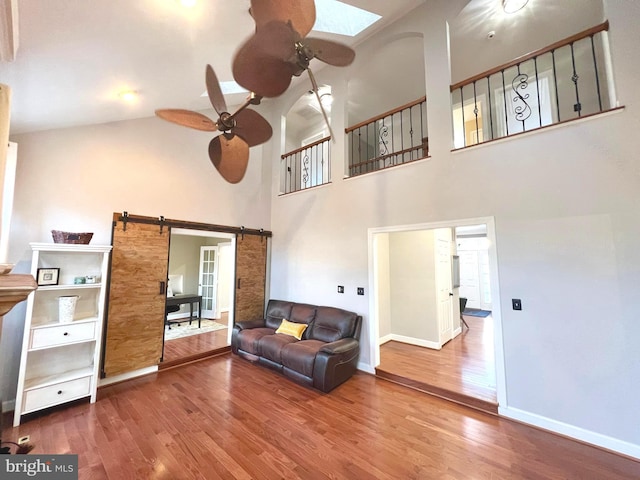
x=464 y=127
x=574 y=78
x=523 y=112
x=535 y=66
x=506 y=114
x=555 y=82
x=475 y=111
x=490 y=106
x=595 y=68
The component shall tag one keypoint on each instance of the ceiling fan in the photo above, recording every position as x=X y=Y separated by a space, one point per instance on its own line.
x=229 y=152
x=279 y=49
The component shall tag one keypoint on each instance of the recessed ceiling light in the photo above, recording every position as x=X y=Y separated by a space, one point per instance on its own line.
x=128 y=95
x=512 y=6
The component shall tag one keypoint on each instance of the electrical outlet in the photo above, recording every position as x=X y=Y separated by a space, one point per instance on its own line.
x=360 y=291
x=516 y=303
x=340 y=289
x=23 y=440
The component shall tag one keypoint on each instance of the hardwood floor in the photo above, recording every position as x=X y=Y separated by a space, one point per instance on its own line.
x=463 y=371
x=189 y=348
x=224 y=418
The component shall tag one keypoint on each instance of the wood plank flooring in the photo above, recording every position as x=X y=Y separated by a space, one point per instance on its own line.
x=463 y=371
x=188 y=348
x=224 y=418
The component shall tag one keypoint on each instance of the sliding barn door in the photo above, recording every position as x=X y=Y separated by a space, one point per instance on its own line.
x=137 y=296
x=251 y=276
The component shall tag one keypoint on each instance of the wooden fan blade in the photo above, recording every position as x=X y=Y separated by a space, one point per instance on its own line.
x=266 y=73
x=214 y=91
x=252 y=127
x=187 y=118
x=301 y=13
x=333 y=53
x=230 y=155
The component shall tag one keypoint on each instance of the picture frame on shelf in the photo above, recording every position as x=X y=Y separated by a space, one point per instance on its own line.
x=48 y=276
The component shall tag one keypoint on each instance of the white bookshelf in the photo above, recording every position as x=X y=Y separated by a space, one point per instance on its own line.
x=59 y=361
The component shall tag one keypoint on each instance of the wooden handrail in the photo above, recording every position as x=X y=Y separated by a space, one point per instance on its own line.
x=386 y=114
x=388 y=155
x=317 y=142
x=554 y=46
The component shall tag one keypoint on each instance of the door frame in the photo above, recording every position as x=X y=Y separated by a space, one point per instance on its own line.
x=232 y=240
x=374 y=326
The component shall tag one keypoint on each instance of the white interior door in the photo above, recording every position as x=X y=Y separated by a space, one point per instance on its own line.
x=208 y=281
x=469 y=279
x=443 y=284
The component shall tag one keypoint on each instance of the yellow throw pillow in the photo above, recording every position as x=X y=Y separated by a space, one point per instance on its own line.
x=291 y=328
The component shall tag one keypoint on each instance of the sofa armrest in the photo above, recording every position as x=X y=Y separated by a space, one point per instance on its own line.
x=343 y=345
x=335 y=363
x=258 y=323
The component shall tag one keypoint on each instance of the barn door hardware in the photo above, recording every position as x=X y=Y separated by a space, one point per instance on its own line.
x=242 y=232
x=261 y=234
x=125 y=216
x=161 y=220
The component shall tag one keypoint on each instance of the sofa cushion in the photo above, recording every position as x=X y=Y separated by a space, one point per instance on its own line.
x=301 y=356
x=332 y=324
x=247 y=340
x=290 y=328
x=303 y=313
x=270 y=346
x=276 y=311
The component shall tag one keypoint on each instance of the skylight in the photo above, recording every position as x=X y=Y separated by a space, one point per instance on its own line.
x=333 y=16
x=228 y=88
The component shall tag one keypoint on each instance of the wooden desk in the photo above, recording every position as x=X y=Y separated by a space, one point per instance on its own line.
x=181 y=300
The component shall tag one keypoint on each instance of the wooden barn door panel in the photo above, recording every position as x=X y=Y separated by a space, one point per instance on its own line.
x=135 y=322
x=251 y=272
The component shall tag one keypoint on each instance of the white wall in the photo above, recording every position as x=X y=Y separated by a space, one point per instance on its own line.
x=383 y=285
x=74 y=179
x=412 y=280
x=566 y=203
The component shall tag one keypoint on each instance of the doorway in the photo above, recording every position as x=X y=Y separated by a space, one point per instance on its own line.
x=200 y=265
x=381 y=281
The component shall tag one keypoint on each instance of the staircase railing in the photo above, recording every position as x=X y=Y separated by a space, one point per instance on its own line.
x=306 y=167
x=564 y=81
x=393 y=138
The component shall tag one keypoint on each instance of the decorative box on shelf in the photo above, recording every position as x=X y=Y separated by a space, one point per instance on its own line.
x=61 y=345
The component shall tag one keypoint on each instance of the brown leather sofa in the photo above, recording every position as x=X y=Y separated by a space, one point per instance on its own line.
x=325 y=356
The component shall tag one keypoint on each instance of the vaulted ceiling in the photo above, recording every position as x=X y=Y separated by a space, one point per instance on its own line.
x=76 y=56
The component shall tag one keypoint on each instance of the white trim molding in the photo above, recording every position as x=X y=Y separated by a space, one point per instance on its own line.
x=571 y=431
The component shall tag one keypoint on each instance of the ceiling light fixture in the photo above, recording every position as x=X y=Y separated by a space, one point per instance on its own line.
x=512 y=6
x=188 y=3
x=128 y=96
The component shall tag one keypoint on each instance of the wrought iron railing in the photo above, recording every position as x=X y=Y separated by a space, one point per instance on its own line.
x=565 y=81
x=306 y=167
x=393 y=138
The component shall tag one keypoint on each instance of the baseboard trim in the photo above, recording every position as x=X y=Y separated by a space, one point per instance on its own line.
x=385 y=339
x=365 y=367
x=103 y=382
x=576 y=433
x=419 y=342
x=8 y=406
